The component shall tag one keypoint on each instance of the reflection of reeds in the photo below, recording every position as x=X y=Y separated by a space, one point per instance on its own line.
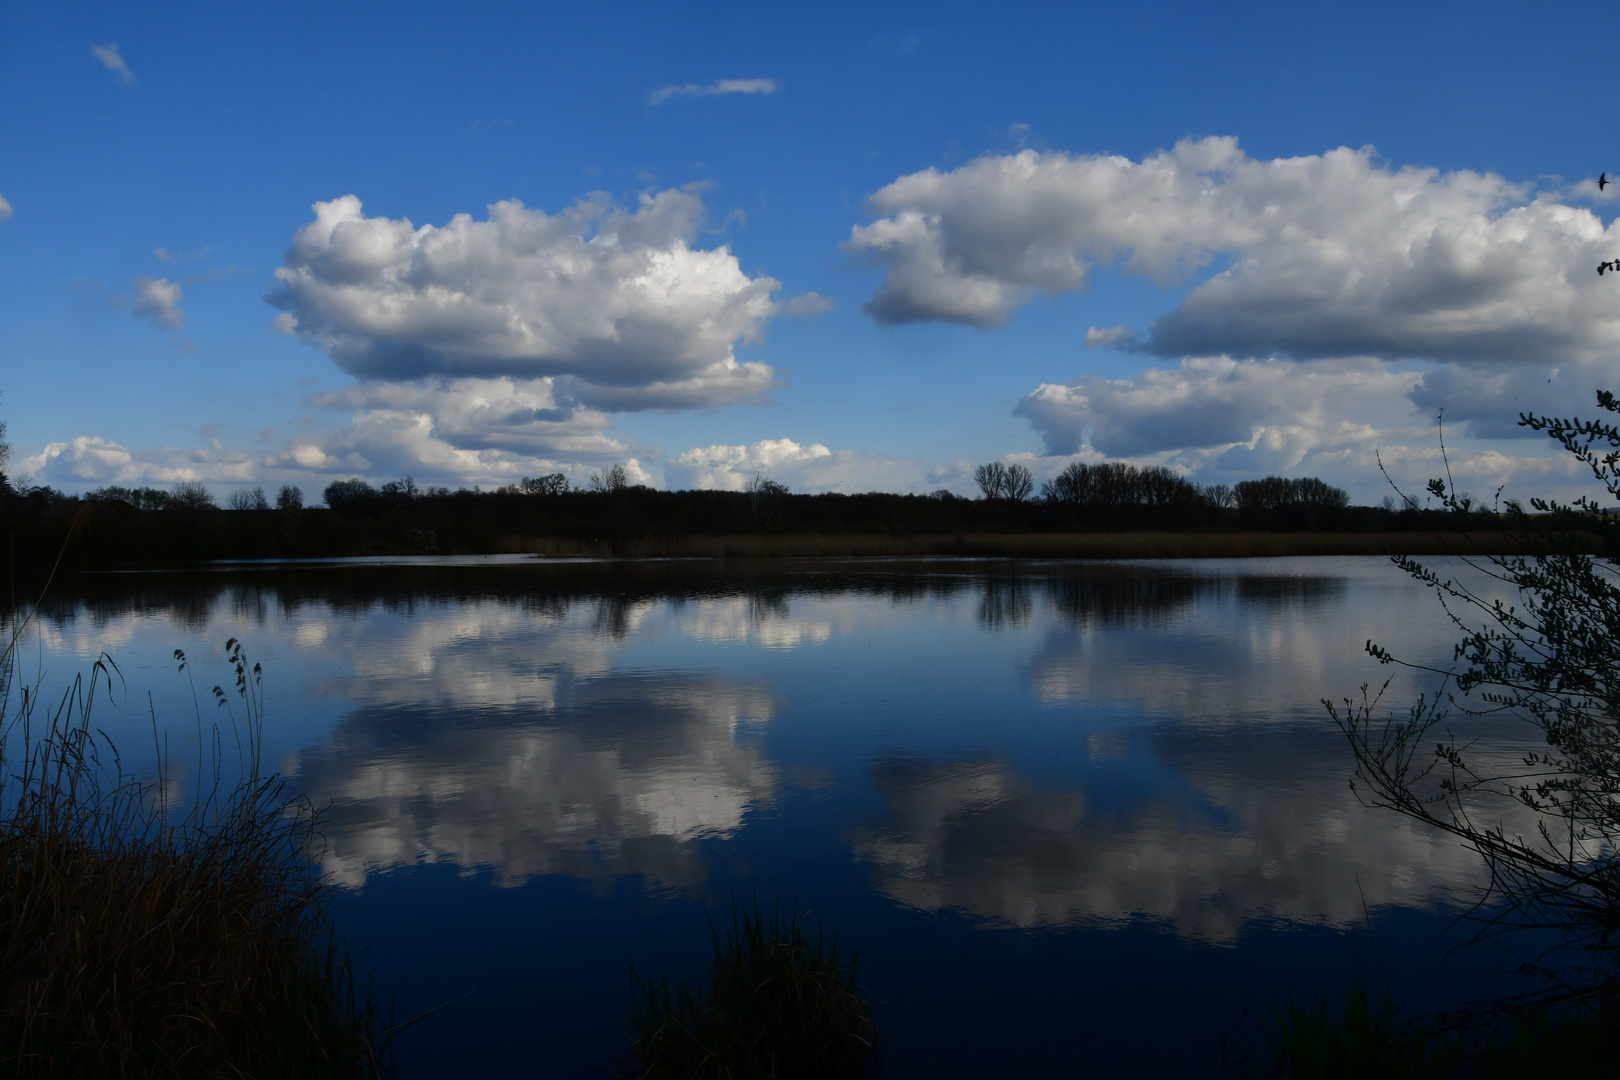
x=1123 y=545
x=777 y=1006
x=137 y=939
x=1367 y=1043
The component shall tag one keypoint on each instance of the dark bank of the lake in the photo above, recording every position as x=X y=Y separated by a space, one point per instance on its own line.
x=1072 y=814
x=1029 y=545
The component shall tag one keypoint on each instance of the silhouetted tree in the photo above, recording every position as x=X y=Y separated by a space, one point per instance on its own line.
x=190 y=496
x=613 y=478
x=289 y=498
x=990 y=479
x=1277 y=492
x=5 y=459
x=550 y=484
x=246 y=499
x=1018 y=484
x=399 y=492
x=1549 y=656
x=347 y=494
x=764 y=496
x=1115 y=485
x=1011 y=482
x=143 y=498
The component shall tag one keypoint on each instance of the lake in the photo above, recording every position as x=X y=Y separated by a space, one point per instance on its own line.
x=1074 y=816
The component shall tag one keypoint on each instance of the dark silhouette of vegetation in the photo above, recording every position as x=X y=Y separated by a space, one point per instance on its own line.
x=245 y=499
x=1276 y=493
x=1014 y=483
x=776 y=1004
x=1366 y=1041
x=1115 y=486
x=764 y=497
x=122 y=525
x=1545 y=655
x=191 y=497
x=141 y=938
x=550 y=484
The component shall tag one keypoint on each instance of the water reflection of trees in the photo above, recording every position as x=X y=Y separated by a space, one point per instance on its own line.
x=1005 y=602
x=1130 y=595
x=978 y=837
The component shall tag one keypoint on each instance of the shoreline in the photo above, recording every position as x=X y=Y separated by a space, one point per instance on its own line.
x=1122 y=545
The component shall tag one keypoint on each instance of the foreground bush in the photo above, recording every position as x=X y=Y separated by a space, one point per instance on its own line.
x=777 y=1006
x=141 y=941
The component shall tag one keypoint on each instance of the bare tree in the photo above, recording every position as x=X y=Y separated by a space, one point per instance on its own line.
x=1018 y=483
x=764 y=496
x=248 y=499
x=191 y=495
x=613 y=478
x=991 y=478
x=289 y=498
x=1547 y=656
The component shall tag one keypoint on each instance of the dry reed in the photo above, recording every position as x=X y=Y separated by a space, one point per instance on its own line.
x=138 y=939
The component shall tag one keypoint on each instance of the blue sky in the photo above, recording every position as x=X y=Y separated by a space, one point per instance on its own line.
x=855 y=247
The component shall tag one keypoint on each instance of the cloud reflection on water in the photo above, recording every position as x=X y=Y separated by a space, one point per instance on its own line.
x=615 y=777
x=976 y=836
x=530 y=725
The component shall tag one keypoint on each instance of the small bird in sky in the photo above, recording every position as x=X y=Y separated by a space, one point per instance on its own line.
x=1603 y=181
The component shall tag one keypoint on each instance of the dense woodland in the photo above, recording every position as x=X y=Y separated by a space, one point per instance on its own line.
x=114 y=525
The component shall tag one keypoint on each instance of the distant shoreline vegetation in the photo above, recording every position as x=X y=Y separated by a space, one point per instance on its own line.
x=1109 y=510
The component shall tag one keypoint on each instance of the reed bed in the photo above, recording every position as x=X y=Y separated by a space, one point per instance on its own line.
x=1123 y=545
x=140 y=939
x=777 y=1005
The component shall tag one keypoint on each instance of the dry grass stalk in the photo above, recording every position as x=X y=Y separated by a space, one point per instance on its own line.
x=138 y=939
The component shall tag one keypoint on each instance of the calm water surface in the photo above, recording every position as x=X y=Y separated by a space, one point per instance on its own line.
x=1075 y=817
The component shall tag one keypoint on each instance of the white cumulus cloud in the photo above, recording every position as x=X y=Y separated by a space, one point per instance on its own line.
x=1327 y=255
x=158 y=299
x=90 y=461
x=801 y=467
x=617 y=306
x=108 y=57
x=1221 y=419
x=1208 y=403
x=715 y=89
x=460 y=431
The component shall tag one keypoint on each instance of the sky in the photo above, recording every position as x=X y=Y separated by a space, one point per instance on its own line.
x=850 y=247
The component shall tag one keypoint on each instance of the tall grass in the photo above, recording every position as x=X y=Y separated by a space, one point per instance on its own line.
x=777 y=1005
x=144 y=939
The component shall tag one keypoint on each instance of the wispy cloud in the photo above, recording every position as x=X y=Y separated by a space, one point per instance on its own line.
x=715 y=89
x=5 y=208
x=165 y=255
x=109 y=58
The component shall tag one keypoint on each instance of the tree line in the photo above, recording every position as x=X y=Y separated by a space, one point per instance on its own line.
x=1116 y=485
x=118 y=524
